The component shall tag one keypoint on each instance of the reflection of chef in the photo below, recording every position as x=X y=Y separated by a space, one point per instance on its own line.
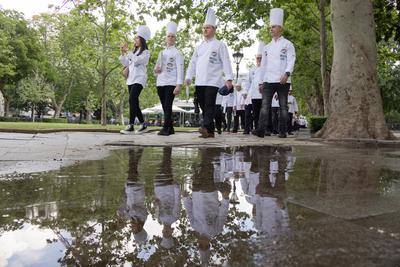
x=166 y=198
x=271 y=216
x=206 y=213
x=290 y=160
x=134 y=207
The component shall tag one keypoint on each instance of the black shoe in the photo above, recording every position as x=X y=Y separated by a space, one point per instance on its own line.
x=258 y=133
x=246 y=132
x=142 y=128
x=171 y=130
x=290 y=133
x=163 y=132
x=282 y=135
x=267 y=133
x=128 y=130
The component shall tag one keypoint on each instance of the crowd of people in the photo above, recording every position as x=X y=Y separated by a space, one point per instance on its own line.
x=263 y=103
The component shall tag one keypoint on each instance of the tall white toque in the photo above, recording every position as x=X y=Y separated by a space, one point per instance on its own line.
x=144 y=32
x=260 y=48
x=211 y=19
x=276 y=17
x=172 y=28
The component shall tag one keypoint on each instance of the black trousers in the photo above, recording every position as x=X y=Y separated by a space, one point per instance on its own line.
x=166 y=94
x=219 y=117
x=206 y=96
x=229 y=111
x=265 y=115
x=290 y=122
x=239 y=114
x=275 y=119
x=134 y=108
x=256 y=104
x=248 y=118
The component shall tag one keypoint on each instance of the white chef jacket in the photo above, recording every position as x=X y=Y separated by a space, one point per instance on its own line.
x=278 y=57
x=169 y=207
x=249 y=185
x=171 y=62
x=137 y=66
x=255 y=81
x=292 y=104
x=206 y=213
x=228 y=100
x=275 y=102
x=239 y=100
x=209 y=61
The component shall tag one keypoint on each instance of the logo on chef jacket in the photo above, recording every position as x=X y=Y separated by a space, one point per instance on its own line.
x=283 y=54
x=214 y=57
x=170 y=64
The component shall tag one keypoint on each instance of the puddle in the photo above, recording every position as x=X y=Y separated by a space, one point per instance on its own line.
x=243 y=206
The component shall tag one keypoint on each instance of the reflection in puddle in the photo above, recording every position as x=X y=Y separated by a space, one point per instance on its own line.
x=185 y=206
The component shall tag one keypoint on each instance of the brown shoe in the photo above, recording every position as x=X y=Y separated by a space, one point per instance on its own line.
x=203 y=131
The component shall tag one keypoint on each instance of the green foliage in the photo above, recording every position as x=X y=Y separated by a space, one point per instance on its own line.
x=316 y=123
x=54 y=120
x=393 y=120
x=10 y=119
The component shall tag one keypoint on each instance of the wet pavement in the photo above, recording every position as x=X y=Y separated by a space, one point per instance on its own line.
x=278 y=205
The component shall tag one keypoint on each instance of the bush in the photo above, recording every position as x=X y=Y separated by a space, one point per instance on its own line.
x=54 y=120
x=316 y=123
x=10 y=119
x=393 y=120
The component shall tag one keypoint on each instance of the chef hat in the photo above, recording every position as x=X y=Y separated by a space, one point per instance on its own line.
x=276 y=17
x=172 y=28
x=260 y=48
x=211 y=19
x=144 y=32
x=140 y=237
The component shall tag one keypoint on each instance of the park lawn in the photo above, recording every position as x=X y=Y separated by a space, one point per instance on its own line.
x=38 y=126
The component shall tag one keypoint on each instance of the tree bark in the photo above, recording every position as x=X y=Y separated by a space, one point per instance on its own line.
x=323 y=49
x=355 y=102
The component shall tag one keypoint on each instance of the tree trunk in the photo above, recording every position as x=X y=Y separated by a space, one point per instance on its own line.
x=103 y=103
x=323 y=49
x=355 y=102
x=33 y=112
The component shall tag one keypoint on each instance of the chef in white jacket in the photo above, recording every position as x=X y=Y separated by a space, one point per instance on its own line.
x=293 y=108
x=277 y=65
x=238 y=106
x=136 y=61
x=134 y=208
x=227 y=106
x=209 y=63
x=255 y=76
x=169 y=71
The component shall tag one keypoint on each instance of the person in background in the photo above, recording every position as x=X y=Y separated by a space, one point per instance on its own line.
x=248 y=106
x=238 y=107
x=275 y=114
x=169 y=71
x=255 y=80
x=227 y=105
x=293 y=108
x=209 y=62
x=136 y=62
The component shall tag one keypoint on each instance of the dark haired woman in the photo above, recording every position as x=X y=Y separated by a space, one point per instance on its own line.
x=136 y=61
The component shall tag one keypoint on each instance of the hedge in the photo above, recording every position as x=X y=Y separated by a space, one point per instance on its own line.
x=316 y=123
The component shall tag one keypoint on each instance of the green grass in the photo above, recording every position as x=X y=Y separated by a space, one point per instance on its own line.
x=38 y=126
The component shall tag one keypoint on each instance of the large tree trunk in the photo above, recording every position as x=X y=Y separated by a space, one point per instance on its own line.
x=323 y=49
x=355 y=102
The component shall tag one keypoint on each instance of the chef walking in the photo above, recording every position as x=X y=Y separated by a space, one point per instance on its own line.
x=209 y=63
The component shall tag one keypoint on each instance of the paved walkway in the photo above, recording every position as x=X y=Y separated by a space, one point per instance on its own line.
x=27 y=153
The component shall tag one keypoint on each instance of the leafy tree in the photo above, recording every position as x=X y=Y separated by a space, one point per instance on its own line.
x=35 y=90
x=20 y=53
